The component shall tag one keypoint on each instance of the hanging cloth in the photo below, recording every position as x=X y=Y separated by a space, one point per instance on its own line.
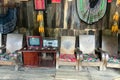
x=118 y=3
x=8 y=21
x=91 y=11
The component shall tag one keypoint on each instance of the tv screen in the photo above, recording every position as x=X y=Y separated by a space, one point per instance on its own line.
x=34 y=41
x=48 y=42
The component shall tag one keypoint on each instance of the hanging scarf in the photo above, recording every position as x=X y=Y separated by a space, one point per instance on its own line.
x=114 y=28
x=91 y=11
x=8 y=21
x=39 y=17
x=118 y=3
x=116 y=16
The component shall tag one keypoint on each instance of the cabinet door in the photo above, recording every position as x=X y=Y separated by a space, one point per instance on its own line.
x=31 y=58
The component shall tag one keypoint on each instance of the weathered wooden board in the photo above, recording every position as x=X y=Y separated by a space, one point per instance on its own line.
x=67 y=45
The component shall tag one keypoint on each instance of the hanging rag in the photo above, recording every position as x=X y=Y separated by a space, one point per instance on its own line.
x=8 y=21
x=91 y=11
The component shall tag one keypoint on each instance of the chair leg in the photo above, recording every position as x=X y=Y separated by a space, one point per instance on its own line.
x=104 y=66
x=101 y=67
x=18 y=64
x=76 y=67
x=57 y=65
x=80 y=66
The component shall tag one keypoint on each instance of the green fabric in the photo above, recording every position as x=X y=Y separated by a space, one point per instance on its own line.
x=90 y=58
x=88 y=14
x=114 y=59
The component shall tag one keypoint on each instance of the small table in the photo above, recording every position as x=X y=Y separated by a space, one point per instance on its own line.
x=31 y=56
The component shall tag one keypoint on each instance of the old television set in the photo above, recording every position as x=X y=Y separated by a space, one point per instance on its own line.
x=34 y=42
x=50 y=42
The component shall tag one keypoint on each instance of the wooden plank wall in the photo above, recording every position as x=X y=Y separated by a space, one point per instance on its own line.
x=62 y=19
x=63 y=16
x=112 y=11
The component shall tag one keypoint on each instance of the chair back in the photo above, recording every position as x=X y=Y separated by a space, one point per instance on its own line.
x=109 y=42
x=67 y=45
x=14 y=42
x=87 y=43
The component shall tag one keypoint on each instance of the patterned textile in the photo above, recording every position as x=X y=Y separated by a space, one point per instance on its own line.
x=114 y=59
x=8 y=56
x=8 y=21
x=68 y=57
x=90 y=58
x=91 y=11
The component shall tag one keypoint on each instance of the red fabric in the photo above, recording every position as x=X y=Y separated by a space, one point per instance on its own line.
x=56 y=1
x=68 y=57
x=39 y=4
x=109 y=1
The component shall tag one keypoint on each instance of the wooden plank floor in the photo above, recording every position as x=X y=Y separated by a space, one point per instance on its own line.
x=8 y=73
x=88 y=73
x=63 y=73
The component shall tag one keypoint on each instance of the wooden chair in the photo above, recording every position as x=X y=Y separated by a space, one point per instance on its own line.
x=89 y=55
x=67 y=54
x=11 y=55
x=110 y=46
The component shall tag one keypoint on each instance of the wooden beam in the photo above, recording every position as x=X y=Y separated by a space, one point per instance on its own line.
x=108 y=14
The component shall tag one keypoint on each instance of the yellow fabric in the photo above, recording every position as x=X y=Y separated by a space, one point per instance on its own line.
x=114 y=28
x=41 y=29
x=118 y=3
x=39 y=17
x=116 y=16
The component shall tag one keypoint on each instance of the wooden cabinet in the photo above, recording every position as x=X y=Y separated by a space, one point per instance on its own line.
x=31 y=58
x=35 y=57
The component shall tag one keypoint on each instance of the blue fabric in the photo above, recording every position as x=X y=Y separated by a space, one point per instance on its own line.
x=8 y=21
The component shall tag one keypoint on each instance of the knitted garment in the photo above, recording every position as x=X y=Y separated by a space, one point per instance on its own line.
x=8 y=21
x=91 y=11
